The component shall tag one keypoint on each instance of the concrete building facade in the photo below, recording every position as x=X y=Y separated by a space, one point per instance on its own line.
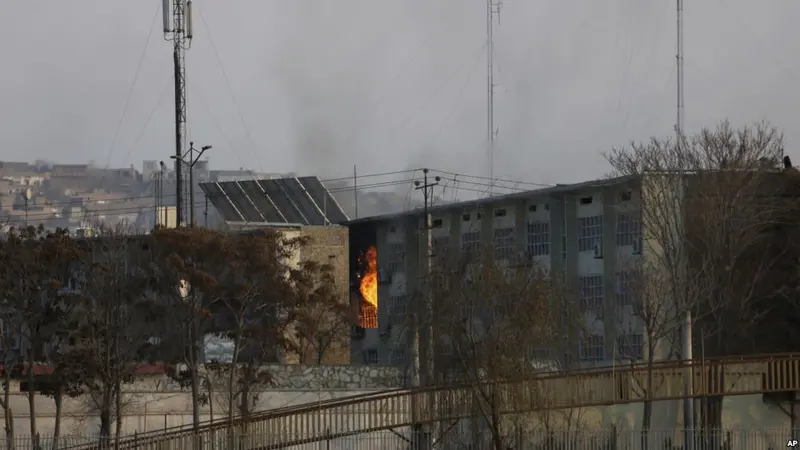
x=589 y=231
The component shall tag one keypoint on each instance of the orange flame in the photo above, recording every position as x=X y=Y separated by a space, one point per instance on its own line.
x=369 y=289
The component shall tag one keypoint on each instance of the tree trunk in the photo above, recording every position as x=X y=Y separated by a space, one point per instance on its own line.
x=8 y=414
x=10 y=430
x=232 y=391
x=105 y=413
x=232 y=378
x=647 y=414
x=117 y=410
x=58 y=399
x=497 y=432
x=32 y=394
x=244 y=401
x=193 y=367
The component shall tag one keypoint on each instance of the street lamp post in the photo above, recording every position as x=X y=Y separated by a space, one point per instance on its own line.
x=189 y=159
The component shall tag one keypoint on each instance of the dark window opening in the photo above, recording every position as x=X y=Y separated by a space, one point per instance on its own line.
x=586 y=200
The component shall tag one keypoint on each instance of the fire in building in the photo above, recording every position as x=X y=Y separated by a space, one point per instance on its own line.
x=368 y=287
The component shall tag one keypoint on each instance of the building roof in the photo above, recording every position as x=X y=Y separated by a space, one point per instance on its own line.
x=552 y=190
x=280 y=201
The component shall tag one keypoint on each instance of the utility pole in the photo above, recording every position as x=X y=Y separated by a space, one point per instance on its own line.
x=163 y=168
x=426 y=188
x=178 y=29
x=157 y=183
x=189 y=160
x=688 y=389
x=492 y=9
x=205 y=211
x=427 y=336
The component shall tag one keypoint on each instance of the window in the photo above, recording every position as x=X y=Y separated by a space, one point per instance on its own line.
x=592 y=293
x=500 y=212
x=593 y=348
x=630 y=346
x=504 y=244
x=629 y=229
x=623 y=288
x=398 y=357
x=538 y=238
x=471 y=241
x=590 y=232
x=398 y=307
x=397 y=257
x=437 y=223
x=371 y=356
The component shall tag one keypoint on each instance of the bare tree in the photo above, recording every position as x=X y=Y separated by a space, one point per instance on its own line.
x=36 y=266
x=496 y=316
x=126 y=324
x=259 y=299
x=708 y=203
x=9 y=341
x=324 y=317
x=189 y=261
x=66 y=374
x=647 y=328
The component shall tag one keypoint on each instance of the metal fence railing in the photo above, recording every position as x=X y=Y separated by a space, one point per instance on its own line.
x=392 y=410
x=458 y=438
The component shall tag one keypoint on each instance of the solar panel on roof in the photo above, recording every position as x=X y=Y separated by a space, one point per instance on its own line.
x=261 y=201
x=303 y=202
x=220 y=202
x=288 y=200
x=324 y=198
x=240 y=200
x=281 y=200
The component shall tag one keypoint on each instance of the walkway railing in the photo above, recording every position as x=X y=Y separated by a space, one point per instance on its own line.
x=752 y=374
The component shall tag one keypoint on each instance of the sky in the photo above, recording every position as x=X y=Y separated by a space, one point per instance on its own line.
x=317 y=86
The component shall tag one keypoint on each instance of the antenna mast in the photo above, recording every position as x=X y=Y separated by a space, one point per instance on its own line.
x=177 y=19
x=679 y=62
x=492 y=9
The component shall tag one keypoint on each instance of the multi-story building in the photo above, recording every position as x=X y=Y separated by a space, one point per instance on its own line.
x=583 y=230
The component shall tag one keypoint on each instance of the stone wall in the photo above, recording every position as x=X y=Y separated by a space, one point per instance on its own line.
x=297 y=376
x=155 y=402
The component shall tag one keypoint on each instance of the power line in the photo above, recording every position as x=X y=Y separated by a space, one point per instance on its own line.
x=478 y=177
x=149 y=118
x=230 y=89
x=133 y=85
